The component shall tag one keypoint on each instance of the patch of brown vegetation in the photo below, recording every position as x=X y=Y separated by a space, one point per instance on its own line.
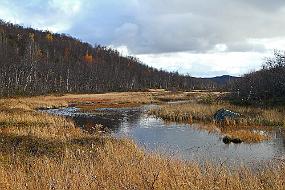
x=203 y=106
x=39 y=151
x=198 y=112
x=122 y=166
x=93 y=107
x=124 y=99
x=247 y=135
x=111 y=98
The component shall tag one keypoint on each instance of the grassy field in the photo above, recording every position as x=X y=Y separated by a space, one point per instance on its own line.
x=39 y=151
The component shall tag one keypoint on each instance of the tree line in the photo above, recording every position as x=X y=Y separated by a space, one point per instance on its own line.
x=266 y=86
x=34 y=62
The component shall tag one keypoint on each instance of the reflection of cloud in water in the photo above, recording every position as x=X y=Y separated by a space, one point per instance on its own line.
x=125 y=127
x=177 y=140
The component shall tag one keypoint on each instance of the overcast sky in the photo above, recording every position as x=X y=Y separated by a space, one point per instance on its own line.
x=202 y=38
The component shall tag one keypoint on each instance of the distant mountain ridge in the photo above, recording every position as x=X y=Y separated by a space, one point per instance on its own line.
x=223 y=80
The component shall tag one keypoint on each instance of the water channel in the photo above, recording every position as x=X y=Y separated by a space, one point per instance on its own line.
x=181 y=141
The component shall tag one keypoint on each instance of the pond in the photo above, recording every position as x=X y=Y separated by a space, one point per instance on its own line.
x=181 y=141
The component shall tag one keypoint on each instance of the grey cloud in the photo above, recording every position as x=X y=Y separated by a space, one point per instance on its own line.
x=197 y=26
x=245 y=47
x=160 y=26
x=127 y=33
x=265 y=5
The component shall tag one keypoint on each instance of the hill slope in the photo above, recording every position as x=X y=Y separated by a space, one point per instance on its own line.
x=38 y=62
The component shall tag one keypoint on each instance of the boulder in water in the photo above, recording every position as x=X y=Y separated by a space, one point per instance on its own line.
x=222 y=114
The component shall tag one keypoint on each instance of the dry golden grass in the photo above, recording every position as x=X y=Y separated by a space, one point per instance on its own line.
x=247 y=136
x=170 y=96
x=121 y=165
x=90 y=102
x=111 y=98
x=93 y=107
x=32 y=103
x=38 y=151
x=188 y=112
x=18 y=117
x=197 y=111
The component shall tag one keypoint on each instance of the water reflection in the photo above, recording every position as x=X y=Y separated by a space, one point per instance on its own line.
x=180 y=140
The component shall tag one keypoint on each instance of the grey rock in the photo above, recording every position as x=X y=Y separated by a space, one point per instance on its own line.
x=222 y=114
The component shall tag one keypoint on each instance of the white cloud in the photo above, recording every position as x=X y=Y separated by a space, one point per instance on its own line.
x=206 y=64
x=220 y=48
x=68 y=7
x=54 y=15
x=270 y=43
x=123 y=50
x=8 y=14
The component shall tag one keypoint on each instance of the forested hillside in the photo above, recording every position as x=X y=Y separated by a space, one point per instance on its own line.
x=266 y=86
x=36 y=62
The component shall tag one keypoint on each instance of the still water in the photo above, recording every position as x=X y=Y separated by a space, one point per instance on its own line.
x=181 y=141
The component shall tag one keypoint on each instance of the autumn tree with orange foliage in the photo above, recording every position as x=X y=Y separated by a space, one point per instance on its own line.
x=88 y=58
x=49 y=37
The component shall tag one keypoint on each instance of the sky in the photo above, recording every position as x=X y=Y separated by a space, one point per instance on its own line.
x=202 y=38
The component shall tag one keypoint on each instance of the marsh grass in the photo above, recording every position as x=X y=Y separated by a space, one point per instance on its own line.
x=197 y=112
x=251 y=118
x=121 y=165
x=171 y=96
x=39 y=151
x=90 y=102
x=111 y=98
x=248 y=136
